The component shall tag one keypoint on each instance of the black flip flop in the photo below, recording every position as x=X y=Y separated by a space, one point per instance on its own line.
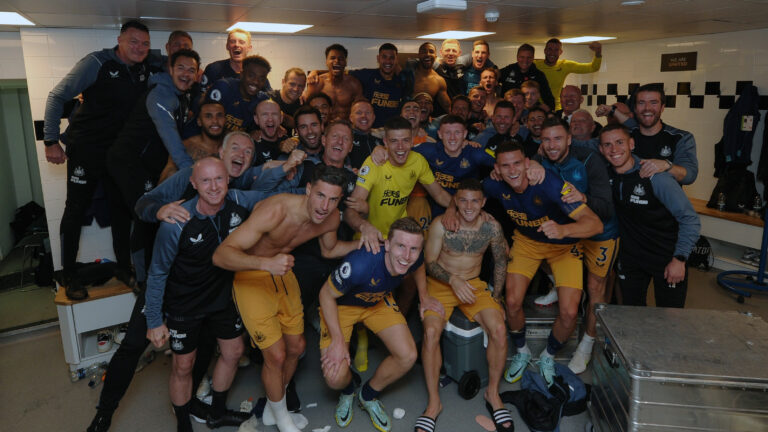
x=501 y=416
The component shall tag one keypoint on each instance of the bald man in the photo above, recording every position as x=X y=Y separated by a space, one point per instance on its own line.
x=187 y=293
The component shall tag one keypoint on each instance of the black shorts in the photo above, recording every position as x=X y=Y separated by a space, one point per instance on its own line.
x=223 y=324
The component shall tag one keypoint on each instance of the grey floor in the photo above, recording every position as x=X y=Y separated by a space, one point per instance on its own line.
x=36 y=394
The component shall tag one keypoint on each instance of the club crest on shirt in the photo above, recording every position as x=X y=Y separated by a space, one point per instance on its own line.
x=665 y=151
x=639 y=190
x=365 y=170
x=464 y=163
x=537 y=200
x=148 y=186
x=215 y=94
x=345 y=270
x=177 y=345
x=235 y=219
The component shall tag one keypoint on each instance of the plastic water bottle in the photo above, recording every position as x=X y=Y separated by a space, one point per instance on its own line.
x=77 y=375
x=97 y=376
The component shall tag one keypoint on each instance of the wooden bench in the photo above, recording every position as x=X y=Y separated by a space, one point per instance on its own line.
x=106 y=306
x=737 y=228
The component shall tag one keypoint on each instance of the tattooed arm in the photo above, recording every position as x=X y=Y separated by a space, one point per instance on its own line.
x=500 y=251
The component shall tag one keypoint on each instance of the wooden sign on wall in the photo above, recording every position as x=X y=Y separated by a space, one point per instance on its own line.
x=678 y=61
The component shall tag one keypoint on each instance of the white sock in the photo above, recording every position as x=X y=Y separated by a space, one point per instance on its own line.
x=586 y=343
x=546 y=353
x=524 y=349
x=281 y=415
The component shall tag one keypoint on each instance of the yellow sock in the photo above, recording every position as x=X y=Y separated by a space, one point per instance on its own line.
x=361 y=354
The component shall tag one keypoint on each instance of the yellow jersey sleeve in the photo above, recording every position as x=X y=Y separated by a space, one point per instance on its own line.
x=368 y=174
x=426 y=176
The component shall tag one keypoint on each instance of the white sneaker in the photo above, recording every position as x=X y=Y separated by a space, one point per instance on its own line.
x=548 y=299
x=118 y=334
x=579 y=361
x=104 y=341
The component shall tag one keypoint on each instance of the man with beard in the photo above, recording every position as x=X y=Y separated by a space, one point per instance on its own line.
x=322 y=103
x=341 y=88
x=265 y=289
x=211 y=122
x=289 y=95
x=111 y=81
x=535 y=119
x=661 y=147
x=556 y=69
x=240 y=96
x=428 y=81
x=502 y=127
x=267 y=116
x=546 y=228
x=657 y=223
x=515 y=74
x=309 y=129
x=586 y=174
x=383 y=87
x=150 y=135
x=363 y=142
x=454 y=261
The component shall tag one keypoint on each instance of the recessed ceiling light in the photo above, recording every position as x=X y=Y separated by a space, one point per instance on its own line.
x=633 y=2
x=455 y=34
x=12 y=18
x=582 y=39
x=441 y=6
x=262 y=27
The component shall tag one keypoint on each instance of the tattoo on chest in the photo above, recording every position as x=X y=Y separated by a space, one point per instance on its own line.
x=466 y=241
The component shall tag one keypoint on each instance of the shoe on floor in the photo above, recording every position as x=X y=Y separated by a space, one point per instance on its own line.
x=548 y=299
x=546 y=366
x=118 y=335
x=378 y=414
x=230 y=418
x=198 y=409
x=516 y=368
x=344 y=410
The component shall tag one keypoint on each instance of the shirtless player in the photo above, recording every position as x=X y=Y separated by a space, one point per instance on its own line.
x=427 y=80
x=343 y=89
x=265 y=288
x=453 y=261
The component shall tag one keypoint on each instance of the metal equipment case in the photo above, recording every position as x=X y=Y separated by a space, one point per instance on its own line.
x=663 y=369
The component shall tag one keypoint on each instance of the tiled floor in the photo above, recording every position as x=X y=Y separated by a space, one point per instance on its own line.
x=36 y=394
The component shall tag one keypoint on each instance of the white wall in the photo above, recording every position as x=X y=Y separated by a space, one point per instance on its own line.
x=11 y=58
x=50 y=53
x=726 y=57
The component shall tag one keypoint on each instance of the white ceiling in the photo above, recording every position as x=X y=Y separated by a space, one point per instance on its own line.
x=532 y=21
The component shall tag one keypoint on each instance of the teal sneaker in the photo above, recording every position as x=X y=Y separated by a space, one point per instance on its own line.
x=516 y=368
x=546 y=366
x=344 y=409
x=378 y=414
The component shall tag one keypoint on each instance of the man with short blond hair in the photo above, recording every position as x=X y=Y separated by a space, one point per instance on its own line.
x=451 y=69
x=238 y=46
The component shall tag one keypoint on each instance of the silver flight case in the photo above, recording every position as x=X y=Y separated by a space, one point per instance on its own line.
x=663 y=369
